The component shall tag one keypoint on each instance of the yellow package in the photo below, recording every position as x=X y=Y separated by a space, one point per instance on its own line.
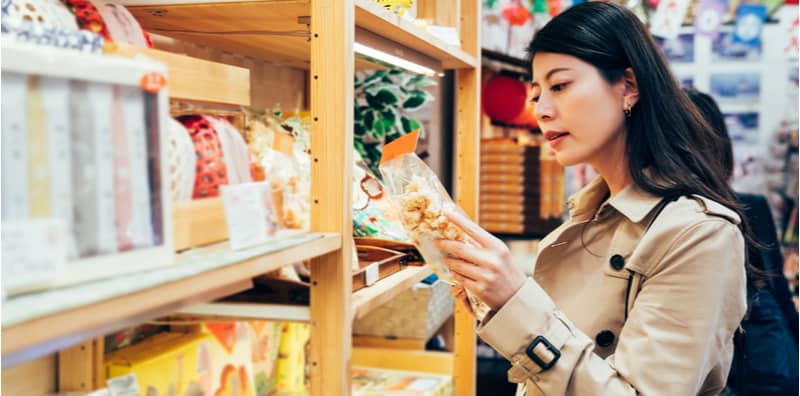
x=165 y=364
x=292 y=371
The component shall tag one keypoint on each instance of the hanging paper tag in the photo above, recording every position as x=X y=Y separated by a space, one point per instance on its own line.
x=749 y=23
x=249 y=213
x=710 y=14
x=667 y=20
x=402 y=145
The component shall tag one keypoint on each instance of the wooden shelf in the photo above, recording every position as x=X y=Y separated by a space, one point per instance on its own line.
x=196 y=79
x=229 y=311
x=409 y=360
x=364 y=301
x=38 y=324
x=369 y=298
x=279 y=30
x=373 y=17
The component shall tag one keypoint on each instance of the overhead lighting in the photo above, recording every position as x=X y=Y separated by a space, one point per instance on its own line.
x=390 y=60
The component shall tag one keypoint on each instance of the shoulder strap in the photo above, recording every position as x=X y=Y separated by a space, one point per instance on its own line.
x=635 y=280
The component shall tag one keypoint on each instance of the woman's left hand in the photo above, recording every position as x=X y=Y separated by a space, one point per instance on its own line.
x=487 y=269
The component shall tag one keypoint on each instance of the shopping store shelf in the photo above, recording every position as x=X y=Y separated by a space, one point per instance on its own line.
x=248 y=311
x=409 y=360
x=195 y=79
x=369 y=298
x=279 y=31
x=38 y=324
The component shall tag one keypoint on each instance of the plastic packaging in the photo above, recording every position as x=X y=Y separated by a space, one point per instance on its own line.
x=421 y=200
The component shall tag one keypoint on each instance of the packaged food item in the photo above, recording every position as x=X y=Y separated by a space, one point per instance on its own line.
x=286 y=166
x=422 y=201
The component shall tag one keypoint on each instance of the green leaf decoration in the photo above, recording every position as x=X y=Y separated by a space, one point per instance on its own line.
x=389 y=115
x=410 y=124
x=387 y=97
x=414 y=102
x=369 y=119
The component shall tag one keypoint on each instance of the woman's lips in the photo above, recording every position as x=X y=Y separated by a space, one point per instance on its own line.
x=555 y=137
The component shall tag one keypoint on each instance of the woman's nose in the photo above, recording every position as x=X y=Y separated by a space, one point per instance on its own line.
x=543 y=108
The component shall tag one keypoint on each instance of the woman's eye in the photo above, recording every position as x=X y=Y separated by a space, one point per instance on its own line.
x=535 y=99
x=558 y=87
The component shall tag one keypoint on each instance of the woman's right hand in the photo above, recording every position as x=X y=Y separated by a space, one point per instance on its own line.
x=459 y=293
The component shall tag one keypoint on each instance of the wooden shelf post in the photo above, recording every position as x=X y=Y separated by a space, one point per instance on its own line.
x=468 y=109
x=331 y=80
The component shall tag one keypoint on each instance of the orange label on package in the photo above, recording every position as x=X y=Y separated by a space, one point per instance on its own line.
x=284 y=143
x=402 y=145
x=153 y=82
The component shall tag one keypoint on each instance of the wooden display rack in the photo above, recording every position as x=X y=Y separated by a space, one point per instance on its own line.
x=317 y=35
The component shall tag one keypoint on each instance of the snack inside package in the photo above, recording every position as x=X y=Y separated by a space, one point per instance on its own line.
x=421 y=201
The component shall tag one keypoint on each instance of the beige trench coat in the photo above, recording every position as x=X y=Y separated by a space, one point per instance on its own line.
x=677 y=339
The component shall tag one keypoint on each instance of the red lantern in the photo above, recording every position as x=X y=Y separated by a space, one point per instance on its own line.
x=527 y=117
x=516 y=14
x=504 y=98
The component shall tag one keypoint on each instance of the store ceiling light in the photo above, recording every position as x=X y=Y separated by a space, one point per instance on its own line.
x=381 y=57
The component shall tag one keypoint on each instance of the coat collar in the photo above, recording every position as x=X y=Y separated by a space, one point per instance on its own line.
x=631 y=202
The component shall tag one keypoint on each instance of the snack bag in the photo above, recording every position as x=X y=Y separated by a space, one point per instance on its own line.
x=421 y=200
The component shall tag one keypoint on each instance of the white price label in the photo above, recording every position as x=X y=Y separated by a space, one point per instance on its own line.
x=34 y=253
x=371 y=274
x=247 y=212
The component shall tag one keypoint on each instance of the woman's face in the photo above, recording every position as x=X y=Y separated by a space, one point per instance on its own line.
x=579 y=112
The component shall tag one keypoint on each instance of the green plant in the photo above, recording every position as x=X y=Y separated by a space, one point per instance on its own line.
x=383 y=101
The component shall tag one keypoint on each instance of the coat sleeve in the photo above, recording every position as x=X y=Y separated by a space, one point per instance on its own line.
x=681 y=323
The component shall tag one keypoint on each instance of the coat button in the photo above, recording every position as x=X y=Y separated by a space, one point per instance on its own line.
x=605 y=338
x=617 y=262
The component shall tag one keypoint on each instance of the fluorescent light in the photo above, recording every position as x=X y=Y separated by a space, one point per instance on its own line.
x=391 y=60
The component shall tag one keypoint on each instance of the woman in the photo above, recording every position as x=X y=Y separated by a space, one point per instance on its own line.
x=642 y=289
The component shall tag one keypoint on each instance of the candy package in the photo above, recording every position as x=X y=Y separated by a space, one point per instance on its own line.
x=421 y=201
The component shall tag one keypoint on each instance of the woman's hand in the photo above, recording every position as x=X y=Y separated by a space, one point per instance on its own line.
x=486 y=269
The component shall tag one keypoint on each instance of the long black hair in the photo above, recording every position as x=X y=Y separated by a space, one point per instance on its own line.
x=670 y=146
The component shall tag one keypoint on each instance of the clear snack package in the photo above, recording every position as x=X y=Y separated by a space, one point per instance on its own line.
x=421 y=201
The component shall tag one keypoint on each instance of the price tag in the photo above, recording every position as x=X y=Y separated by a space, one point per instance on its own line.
x=248 y=213
x=371 y=274
x=34 y=253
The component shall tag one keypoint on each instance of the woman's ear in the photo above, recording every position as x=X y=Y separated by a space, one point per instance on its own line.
x=631 y=95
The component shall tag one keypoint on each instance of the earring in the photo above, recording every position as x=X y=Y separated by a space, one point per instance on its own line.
x=627 y=112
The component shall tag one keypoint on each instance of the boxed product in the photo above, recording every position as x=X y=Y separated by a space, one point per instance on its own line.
x=368 y=381
x=84 y=165
x=165 y=364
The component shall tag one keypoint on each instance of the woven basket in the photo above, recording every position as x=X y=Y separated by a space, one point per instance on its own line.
x=182 y=161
